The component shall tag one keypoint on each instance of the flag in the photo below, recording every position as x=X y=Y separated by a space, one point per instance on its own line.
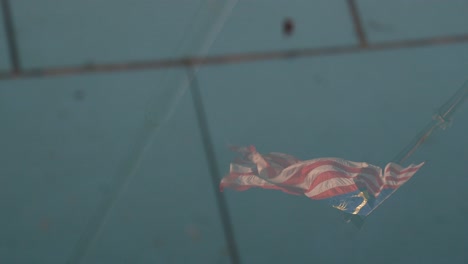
x=352 y=187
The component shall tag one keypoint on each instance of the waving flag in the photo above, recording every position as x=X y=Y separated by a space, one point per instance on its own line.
x=352 y=187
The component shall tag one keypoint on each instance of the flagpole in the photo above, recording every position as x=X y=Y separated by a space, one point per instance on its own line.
x=440 y=120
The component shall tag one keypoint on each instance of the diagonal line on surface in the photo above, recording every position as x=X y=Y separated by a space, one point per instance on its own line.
x=144 y=141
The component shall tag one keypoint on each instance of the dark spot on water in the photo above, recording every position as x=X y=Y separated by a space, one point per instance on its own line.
x=44 y=224
x=320 y=80
x=377 y=26
x=79 y=95
x=288 y=26
x=52 y=154
x=151 y=119
x=158 y=242
x=193 y=232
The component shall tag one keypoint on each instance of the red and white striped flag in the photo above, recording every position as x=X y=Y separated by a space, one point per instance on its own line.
x=320 y=178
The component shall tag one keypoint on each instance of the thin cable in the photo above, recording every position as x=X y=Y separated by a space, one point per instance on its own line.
x=444 y=115
x=213 y=167
x=236 y=58
x=11 y=37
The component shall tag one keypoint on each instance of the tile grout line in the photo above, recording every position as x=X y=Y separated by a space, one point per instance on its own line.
x=11 y=37
x=235 y=58
x=213 y=166
x=356 y=18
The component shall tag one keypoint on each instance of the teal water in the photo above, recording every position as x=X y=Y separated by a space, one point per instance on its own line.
x=110 y=167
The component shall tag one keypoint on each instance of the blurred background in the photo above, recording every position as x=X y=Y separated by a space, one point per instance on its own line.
x=110 y=154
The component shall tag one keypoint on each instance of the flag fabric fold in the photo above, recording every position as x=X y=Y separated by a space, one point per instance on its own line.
x=349 y=185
